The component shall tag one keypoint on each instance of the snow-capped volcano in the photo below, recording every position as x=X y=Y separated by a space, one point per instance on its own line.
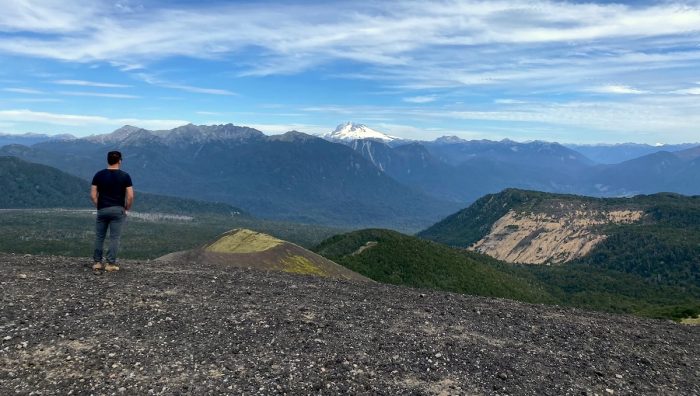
x=352 y=131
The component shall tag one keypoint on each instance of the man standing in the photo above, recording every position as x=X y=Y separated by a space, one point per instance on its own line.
x=112 y=194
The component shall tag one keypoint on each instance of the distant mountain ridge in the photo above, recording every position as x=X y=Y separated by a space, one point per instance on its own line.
x=294 y=176
x=186 y=134
x=616 y=153
x=369 y=182
x=28 y=139
x=463 y=171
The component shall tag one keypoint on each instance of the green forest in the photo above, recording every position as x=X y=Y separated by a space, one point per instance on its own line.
x=399 y=259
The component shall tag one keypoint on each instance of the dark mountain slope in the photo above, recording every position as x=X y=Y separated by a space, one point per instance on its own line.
x=648 y=174
x=28 y=185
x=463 y=171
x=412 y=165
x=616 y=153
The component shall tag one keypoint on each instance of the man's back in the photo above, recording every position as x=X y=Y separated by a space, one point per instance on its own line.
x=111 y=187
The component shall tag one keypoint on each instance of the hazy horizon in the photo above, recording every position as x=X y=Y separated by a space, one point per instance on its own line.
x=573 y=72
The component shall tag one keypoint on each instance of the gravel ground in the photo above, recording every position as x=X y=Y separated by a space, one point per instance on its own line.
x=157 y=328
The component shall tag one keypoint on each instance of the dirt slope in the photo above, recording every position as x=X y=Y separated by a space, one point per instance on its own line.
x=172 y=328
x=537 y=238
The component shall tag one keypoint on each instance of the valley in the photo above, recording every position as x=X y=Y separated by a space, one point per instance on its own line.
x=627 y=255
x=70 y=232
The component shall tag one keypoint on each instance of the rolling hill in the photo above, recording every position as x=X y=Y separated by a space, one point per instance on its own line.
x=391 y=257
x=254 y=250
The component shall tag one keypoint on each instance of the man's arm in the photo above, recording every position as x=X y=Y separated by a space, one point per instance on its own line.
x=129 y=198
x=93 y=194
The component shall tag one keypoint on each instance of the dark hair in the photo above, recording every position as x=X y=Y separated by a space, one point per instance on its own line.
x=113 y=157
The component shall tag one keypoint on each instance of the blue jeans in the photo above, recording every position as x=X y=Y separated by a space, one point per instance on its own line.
x=112 y=217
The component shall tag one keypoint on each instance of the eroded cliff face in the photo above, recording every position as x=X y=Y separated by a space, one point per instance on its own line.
x=559 y=237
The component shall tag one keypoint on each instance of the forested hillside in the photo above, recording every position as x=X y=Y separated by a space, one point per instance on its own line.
x=28 y=185
x=391 y=257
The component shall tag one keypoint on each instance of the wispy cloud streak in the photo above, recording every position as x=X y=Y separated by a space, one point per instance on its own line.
x=27 y=91
x=149 y=79
x=288 y=38
x=99 y=94
x=78 y=120
x=84 y=83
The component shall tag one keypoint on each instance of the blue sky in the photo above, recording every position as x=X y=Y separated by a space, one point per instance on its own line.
x=524 y=70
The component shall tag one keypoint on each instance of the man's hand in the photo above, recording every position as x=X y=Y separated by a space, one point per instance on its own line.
x=93 y=194
x=129 y=198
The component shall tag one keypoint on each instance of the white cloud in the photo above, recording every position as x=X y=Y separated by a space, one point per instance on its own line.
x=420 y=99
x=402 y=130
x=688 y=91
x=78 y=120
x=37 y=100
x=46 y=16
x=541 y=46
x=617 y=89
x=290 y=38
x=509 y=101
x=28 y=91
x=149 y=79
x=668 y=118
x=99 y=94
x=648 y=117
x=276 y=129
x=84 y=83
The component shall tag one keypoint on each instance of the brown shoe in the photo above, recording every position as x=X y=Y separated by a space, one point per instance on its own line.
x=97 y=268
x=111 y=267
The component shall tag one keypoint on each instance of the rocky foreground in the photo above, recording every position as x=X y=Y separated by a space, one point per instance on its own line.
x=176 y=328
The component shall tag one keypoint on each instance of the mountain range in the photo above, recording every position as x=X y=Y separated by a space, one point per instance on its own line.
x=28 y=139
x=616 y=153
x=356 y=176
x=294 y=176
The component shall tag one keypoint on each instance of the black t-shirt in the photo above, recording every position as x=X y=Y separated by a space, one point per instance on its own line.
x=111 y=187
